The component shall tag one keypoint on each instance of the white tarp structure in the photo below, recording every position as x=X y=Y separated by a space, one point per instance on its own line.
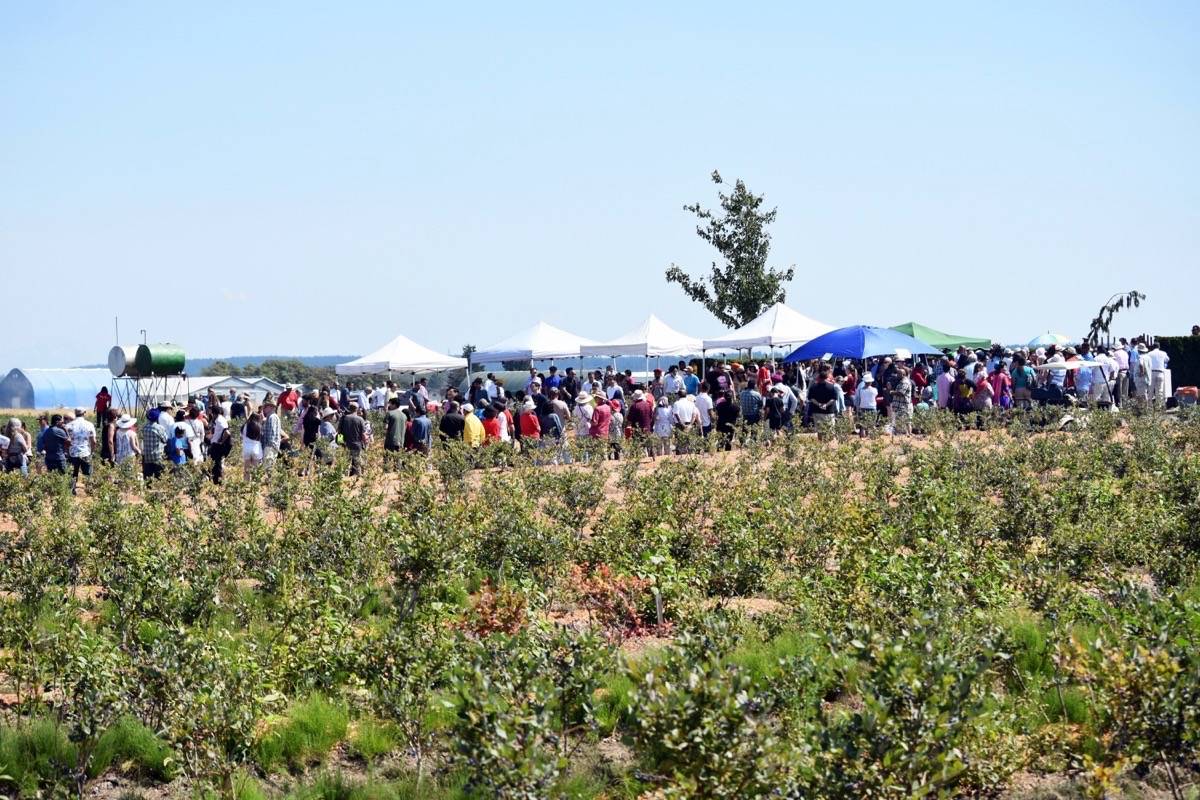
x=400 y=355
x=179 y=389
x=652 y=337
x=541 y=341
x=778 y=326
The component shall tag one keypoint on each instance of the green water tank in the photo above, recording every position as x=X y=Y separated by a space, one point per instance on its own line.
x=160 y=360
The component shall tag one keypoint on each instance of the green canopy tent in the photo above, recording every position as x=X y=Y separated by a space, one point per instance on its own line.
x=942 y=341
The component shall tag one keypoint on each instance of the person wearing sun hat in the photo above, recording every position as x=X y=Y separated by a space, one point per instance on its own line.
x=583 y=415
x=125 y=440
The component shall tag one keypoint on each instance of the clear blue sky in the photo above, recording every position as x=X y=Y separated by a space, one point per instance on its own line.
x=318 y=177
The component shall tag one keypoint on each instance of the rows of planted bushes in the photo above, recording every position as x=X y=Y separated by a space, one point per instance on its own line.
x=865 y=618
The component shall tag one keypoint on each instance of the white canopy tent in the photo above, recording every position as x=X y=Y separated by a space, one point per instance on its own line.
x=538 y=342
x=652 y=337
x=400 y=355
x=778 y=326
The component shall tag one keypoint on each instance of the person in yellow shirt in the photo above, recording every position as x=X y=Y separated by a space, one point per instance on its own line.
x=473 y=433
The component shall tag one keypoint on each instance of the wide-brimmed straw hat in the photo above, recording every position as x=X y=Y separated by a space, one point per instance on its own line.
x=125 y=421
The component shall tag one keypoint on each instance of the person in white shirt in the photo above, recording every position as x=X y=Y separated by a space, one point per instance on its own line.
x=685 y=415
x=1058 y=377
x=194 y=428
x=790 y=403
x=219 y=444
x=865 y=396
x=1157 y=361
x=583 y=415
x=83 y=438
x=704 y=407
x=379 y=398
x=673 y=382
x=489 y=386
x=1139 y=372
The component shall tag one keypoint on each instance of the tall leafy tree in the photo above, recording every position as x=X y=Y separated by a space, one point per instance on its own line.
x=741 y=286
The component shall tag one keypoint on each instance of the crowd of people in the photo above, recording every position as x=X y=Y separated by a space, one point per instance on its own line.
x=659 y=413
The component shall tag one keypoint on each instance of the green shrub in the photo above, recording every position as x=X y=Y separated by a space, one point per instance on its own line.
x=702 y=723
x=310 y=730
x=372 y=738
x=35 y=757
x=129 y=745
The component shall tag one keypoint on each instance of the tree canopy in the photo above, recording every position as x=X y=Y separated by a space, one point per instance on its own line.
x=741 y=286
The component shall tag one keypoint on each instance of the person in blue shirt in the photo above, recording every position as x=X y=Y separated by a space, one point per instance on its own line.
x=177 y=446
x=55 y=443
x=691 y=382
x=554 y=380
x=421 y=430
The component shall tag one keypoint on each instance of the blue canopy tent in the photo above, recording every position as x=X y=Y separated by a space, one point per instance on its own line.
x=861 y=341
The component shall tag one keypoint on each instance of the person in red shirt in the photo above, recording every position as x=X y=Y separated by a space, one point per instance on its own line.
x=103 y=402
x=287 y=400
x=530 y=427
x=601 y=418
x=491 y=424
x=763 y=378
x=641 y=413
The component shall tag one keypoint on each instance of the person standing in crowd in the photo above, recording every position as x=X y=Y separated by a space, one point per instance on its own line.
x=822 y=402
x=613 y=390
x=673 y=382
x=103 y=403
x=353 y=430
x=177 y=447
x=196 y=437
x=529 y=425
x=310 y=421
x=704 y=408
x=325 y=447
x=421 y=429
x=945 y=380
x=727 y=412
x=252 y=448
x=582 y=415
x=657 y=388
x=220 y=442
x=751 y=402
x=491 y=425
x=601 y=421
x=1001 y=386
x=685 y=417
x=289 y=399
x=664 y=425
x=125 y=441
x=982 y=394
x=1023 y=382
x=451 y=424
x=640 y=419
x=272 y=434
x=473 y=433
x=866 y=397
x=616 y=431
x=108 y=429
x=1157 y=364
x=395 y=425
x=55 y=443
x=154 y=443
x=18 y=448
x=83 y=441
x=690 y=381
